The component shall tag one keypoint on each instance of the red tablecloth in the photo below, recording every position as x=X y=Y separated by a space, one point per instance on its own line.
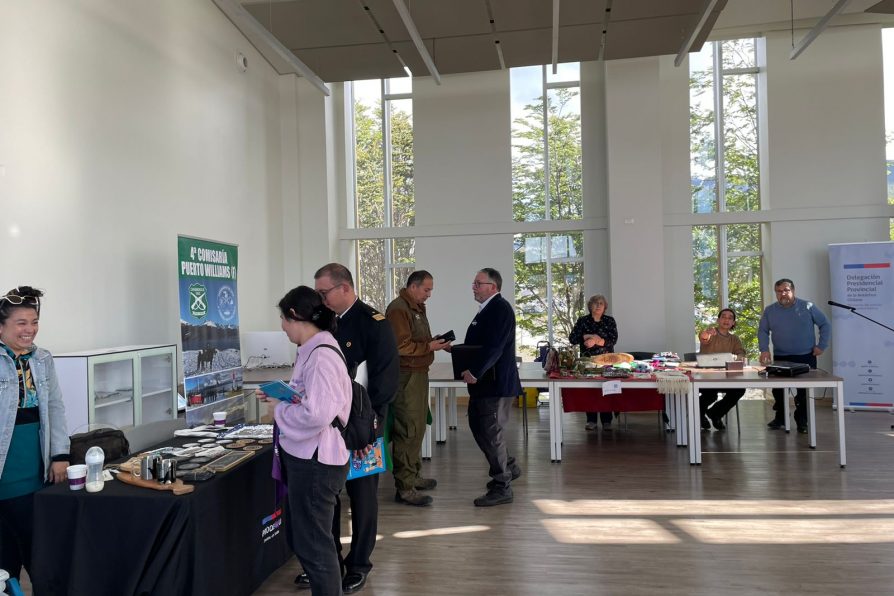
x=629 y=400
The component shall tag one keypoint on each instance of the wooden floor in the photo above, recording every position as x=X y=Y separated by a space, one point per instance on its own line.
x=624 y=513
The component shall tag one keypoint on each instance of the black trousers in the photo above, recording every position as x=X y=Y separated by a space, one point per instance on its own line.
x=605 y=417
x=16 y=532
x=363 y=495
x=708 y=401
x=800 y=395
x=313 y=491
x=487 y=417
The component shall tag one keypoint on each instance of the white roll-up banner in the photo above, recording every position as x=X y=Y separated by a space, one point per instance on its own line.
x=863 y=351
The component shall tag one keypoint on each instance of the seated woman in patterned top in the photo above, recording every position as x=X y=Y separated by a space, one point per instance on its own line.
x=716 y=340
x=596 y=333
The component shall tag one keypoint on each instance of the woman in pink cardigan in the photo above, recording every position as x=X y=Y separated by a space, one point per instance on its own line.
x=313 y=452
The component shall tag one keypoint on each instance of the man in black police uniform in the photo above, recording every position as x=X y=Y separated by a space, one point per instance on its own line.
x=364 y=336
x=493 y=383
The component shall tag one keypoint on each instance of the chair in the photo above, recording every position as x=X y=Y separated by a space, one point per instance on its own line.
x=689 y=357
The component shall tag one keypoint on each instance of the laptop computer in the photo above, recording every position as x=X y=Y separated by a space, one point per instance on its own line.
x=717 y=360
x=464 y=357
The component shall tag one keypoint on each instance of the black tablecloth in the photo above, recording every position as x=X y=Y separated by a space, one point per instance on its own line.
x=226 y=537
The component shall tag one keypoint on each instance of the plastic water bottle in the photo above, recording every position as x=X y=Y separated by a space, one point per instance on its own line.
x=94 y=459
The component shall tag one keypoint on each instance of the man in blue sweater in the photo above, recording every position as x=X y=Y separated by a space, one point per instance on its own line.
x=790 y=323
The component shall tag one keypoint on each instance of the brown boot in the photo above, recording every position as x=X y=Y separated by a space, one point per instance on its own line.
x=411 y=497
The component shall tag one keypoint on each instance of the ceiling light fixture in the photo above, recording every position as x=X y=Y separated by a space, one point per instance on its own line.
x=696 y=32
x=265 y=42
x=493 y=32
x=817 y=29
x=417 y=40
x=555 y=36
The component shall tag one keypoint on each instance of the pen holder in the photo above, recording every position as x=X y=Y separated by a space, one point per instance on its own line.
x=735 y=365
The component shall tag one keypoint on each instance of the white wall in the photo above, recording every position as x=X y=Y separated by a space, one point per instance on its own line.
x=463 y=189
x=635 y=214
x=124 y=123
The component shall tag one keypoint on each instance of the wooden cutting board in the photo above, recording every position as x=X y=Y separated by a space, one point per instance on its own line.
x=178 y=487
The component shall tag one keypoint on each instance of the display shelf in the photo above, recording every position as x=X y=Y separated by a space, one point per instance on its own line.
x=111 y=402
x=155 y=392
x=127 y=386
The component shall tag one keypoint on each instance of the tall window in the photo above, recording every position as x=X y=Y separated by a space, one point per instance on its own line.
x=888 y=55
x=725 y=174
x=546 y=185
x=383 y=184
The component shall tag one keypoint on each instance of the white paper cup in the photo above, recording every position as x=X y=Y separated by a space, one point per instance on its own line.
x=220 y=418
x=77 y=476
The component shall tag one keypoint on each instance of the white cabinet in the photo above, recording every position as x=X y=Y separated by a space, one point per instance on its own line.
x=121 y=387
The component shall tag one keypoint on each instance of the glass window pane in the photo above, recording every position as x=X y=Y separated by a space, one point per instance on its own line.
x=528 y=165
x=567 y=299
x=743 y=238
x=370 y=279
x=369 y=163
x=403 y=206
x=740 y=151
x=706 y=274
x=567 y=72
x=399 y=85
x=745 y=297
x=738 y=53
x=565 y=167
x=702 y=138
x=404 y=250
x=530 y=292
x=534 y=299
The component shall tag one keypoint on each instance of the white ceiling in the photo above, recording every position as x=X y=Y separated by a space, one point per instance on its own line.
x=343 y=40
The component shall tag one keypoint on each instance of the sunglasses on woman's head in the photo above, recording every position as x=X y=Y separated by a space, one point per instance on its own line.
x=17 y=300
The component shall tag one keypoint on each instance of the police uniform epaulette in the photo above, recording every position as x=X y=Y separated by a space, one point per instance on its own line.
x=372 y=312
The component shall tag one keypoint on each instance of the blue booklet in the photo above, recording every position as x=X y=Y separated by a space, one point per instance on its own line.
x=373 y=463
x=281 y=391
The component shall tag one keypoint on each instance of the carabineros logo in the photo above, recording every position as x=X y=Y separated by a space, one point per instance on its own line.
x=198 y=301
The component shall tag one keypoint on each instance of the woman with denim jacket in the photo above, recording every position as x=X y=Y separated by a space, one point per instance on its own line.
x=33 y=432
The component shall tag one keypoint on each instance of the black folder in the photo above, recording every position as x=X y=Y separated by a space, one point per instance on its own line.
x=465 y=357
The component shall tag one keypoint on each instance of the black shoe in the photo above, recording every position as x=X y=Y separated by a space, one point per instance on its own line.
x=494 y=498
x=717 y=421
x=775 y=424
x=802 y=429
x=425 y=484
x=353 y=581
x=302 y=581
x=705 y=424
x=516 y=473
x=412 y=497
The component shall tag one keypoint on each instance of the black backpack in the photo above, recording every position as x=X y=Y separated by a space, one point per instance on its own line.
x=361 y=429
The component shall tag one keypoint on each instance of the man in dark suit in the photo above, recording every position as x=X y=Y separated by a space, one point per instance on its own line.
x=493 y=383
x=364 y=335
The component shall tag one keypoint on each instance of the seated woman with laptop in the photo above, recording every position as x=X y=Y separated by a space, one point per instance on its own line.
x=715 y=340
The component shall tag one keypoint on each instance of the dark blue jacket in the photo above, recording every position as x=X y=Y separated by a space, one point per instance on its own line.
x=493 y=328
x=364 y=335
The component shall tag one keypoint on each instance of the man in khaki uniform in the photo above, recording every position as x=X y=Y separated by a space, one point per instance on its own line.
x=406 y=313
